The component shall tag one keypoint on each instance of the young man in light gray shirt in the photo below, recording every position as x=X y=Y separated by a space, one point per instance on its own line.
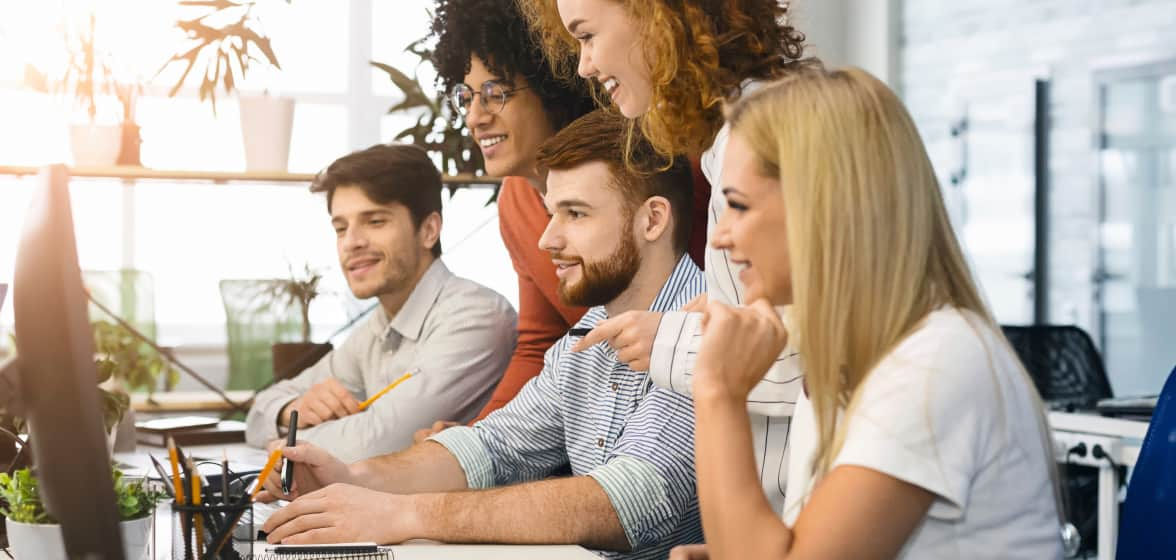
x=385 y=206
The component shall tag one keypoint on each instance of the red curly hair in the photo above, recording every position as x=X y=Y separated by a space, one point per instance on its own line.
x=700 y=52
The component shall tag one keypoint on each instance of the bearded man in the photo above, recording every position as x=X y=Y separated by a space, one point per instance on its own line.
x=618 y=236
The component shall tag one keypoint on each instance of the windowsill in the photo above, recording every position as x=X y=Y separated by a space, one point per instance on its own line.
x=189 y=401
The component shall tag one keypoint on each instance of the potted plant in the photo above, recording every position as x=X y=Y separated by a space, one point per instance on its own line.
x=124 y=364
x=33 y=533
x=298 y=290
x=224 y=40
x=86 y=78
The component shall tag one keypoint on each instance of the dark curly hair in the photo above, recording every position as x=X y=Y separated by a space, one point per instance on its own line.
x=495 y=32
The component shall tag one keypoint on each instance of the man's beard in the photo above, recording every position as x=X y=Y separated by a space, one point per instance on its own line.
x=604 y=280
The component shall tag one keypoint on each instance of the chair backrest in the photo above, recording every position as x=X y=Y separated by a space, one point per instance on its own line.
x=128 y=292
x=1145 y=529
x=255 y=319
x=1064 y=364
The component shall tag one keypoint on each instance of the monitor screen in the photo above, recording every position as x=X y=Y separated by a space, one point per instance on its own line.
x=58 y=378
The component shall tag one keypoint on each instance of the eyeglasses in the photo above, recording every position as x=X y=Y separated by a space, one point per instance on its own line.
x=494 y=96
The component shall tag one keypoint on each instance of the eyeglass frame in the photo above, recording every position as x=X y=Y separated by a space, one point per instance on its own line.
x=464 y=111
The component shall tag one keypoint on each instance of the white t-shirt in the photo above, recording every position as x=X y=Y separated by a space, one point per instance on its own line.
x=948 y=411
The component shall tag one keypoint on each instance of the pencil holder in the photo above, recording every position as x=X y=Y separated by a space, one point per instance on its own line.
x=212 y=531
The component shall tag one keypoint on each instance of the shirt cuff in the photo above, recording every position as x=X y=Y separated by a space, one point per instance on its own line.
x=670 y=353
x=638 y=494
x=463 y=442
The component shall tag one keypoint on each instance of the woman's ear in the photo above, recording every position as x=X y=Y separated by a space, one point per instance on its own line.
x=657 y=218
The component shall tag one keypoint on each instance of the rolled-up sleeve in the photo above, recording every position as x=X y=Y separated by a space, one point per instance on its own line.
x=520 y=442
x=649 y=476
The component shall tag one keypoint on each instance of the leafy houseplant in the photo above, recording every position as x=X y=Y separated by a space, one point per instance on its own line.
x=225 y=50
x=121 y=356
x=224 y=42
x=438 y=130
x=88 y=76
x=33 y=533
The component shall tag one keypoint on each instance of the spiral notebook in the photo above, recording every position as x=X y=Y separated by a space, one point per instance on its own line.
x=347 y=551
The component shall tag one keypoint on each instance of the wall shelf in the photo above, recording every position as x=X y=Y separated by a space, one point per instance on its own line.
x=135 y=173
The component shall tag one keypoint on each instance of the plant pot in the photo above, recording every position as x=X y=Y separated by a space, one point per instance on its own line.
x=95 y=145
x=291 y=358
x=130 y=148
x=27 y=541
x=266 y=125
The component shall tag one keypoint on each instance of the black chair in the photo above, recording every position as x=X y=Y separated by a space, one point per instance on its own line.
x=1068 y=372
x=1064 y=364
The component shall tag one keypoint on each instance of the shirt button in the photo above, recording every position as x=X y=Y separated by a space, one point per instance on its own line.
x=599 y=442
x=616 y=387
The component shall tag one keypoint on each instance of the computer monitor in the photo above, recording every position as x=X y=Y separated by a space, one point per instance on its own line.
x=58 y=379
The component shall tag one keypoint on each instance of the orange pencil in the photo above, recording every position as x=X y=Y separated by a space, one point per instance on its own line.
x=177 y=480
x=363 y=405
x=265 y=472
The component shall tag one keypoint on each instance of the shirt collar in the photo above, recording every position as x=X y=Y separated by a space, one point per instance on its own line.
x=410 y=320
x=683 y=273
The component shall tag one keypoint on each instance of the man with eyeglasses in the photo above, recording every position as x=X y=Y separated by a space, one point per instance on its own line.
x=499 y=82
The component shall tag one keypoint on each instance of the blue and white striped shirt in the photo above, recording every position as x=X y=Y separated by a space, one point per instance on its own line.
x=606 y=421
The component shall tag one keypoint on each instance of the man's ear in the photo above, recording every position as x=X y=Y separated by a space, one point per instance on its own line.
x=656 y=218
x=430 y=231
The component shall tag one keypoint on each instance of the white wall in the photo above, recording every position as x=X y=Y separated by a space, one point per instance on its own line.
x=863 y=33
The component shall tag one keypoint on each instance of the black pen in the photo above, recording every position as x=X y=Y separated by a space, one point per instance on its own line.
x=291 y=441
x=580 y=331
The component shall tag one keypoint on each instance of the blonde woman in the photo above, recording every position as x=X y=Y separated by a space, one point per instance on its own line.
x=669 y=65
x=921 y=436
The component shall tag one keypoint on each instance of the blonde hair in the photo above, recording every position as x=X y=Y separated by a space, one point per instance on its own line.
x=873 y=251
x=699 y=53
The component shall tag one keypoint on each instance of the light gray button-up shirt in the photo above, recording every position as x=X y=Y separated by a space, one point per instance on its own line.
x=458 y=333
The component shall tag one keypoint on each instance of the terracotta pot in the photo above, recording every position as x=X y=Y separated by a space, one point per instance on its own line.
x=291 y=358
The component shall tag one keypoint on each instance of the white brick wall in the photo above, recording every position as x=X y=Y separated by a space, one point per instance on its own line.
x=984 y=54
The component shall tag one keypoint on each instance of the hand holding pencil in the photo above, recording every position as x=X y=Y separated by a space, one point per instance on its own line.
x=316 y=469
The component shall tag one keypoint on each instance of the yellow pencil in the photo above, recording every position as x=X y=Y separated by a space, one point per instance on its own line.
x=195 y=501
x=363 y=405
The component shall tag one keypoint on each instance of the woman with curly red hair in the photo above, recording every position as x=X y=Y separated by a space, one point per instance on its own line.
x=670 y=65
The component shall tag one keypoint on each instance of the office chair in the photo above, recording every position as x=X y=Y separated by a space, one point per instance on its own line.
x=1064 y=364
x=254 y=321
x=1145 y=528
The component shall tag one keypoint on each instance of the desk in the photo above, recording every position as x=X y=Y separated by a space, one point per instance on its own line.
x=413 y=550
x=1121 y=439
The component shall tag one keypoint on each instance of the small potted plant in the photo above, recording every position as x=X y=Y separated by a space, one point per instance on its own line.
x=298 y=290
x=224 y=41
x=33 y=533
